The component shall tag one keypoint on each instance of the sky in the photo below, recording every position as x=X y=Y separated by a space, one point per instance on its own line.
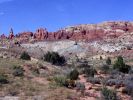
x=29 y=15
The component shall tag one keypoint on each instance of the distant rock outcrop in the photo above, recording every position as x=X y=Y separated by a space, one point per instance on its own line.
x=41 y=34
x=83 y=32
x=88 y=32
x=11 y=35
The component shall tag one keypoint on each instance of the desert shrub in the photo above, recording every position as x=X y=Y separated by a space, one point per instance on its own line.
x=73 y=75
x=121 y=66
x=108 y=94
x=131 y=71
x=54 y=58
x=3 y=79
x=84 y=65
x=116 y=82
x=108 y=61
x=70 y=83
x=25 y=56
x=94 y=80
x=105 y=69
x=60 y=80
x=89 y=72
x=115 y=74
x=129 y=88
x=80 y=86
x=18 y=71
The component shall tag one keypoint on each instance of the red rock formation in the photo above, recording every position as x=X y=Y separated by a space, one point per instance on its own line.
x=11 y=35
x=41 y=34
x=87 y=32
x=25 y=35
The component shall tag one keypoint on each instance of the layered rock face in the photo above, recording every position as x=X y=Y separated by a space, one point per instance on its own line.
x=41 y=34
x=84 y=32
x=88 y=32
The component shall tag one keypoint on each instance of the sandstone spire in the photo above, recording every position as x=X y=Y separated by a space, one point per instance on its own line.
x=11 y=34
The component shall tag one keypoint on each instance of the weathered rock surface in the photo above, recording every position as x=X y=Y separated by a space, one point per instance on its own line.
x=106 y=36
x=86 y=32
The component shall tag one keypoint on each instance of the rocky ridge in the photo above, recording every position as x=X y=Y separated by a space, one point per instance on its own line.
x=107 y=36
x=86 y=32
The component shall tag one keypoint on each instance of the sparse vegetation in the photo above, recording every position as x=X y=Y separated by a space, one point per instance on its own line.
x=25 y=56
x=89 y=71
x=94 y=80
x=80 y=86
x=73 y=74
x=108 y=94
x=18 y=71
x=121 y=66
x=3 y=79
x=104 y=69
x=60 y=80
x=54 y=58
x=108 y=61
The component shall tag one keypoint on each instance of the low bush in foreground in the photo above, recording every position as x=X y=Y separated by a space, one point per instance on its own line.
x=121 y=66
x=18 y=71
x=3 y=79
x=80 y=86
x=60 y=80
x=108 y=61
x=94 y=80
x=54 y=58
x=105 y=69
x=89 y=72
x=108 y=94
x=25 y=56
x=73 y=75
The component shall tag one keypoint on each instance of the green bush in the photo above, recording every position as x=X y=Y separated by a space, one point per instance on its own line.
x=3 y=79
x=89 y=72
x=18 y=71
x=121 y=66
x=25 y=56
x=73 y=74
x=94 y=80
x=108 y=94
x=105 y=69
x=108 y=61
x=54 y=58
x=60 y=80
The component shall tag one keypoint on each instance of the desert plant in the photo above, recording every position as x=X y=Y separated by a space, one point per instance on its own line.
x=129 y=87
x=121 y=66
x=73 y=75
x=89 y=72
x=131 y=71
x=70 y=83
x=54 y=58
x=104 y=69
x=3 y=79
x=25 y=56
x=108 y=61
x=60 y=80
x=18 y=71
x=108 y=94
x=115 y=82
x=80 y=86
x=94 y=80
